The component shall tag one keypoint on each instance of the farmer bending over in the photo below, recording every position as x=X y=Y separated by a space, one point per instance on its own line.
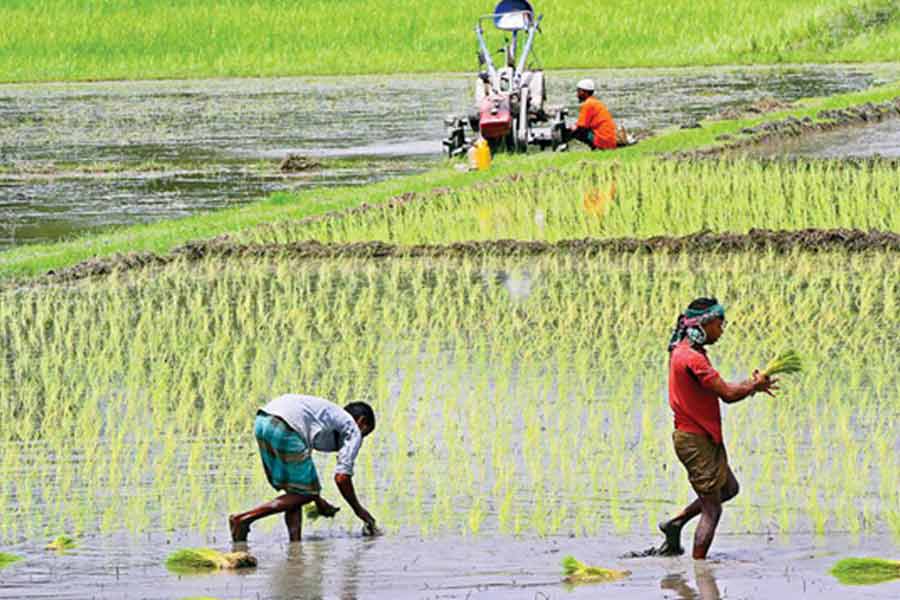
x=694 y=392
x=595 y=126
x=287 y=430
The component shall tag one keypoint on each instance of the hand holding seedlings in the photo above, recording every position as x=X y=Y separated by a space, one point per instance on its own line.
x=763 y=383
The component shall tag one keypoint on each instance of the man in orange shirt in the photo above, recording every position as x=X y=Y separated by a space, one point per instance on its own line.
x=595 y=126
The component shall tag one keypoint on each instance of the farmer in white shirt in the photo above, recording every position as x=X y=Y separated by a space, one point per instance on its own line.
x=287 y=430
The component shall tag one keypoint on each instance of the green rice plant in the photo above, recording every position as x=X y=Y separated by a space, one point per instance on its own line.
x=576 y=572
x=865 y=571
x=62 y=543
x=200 y=560
x=653 y=198
x=8 y=559
x=787 y=363
x=468 y=380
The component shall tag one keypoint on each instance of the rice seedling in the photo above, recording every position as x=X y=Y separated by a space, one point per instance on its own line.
x=786 y=363
x=468 y=375
x=865 y=571
x=646 y=197
x=200 y=560
x=576 y=572
x=61 y=544
x=8 y=559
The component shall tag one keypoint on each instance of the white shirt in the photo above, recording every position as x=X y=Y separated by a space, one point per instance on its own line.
x=323 y=425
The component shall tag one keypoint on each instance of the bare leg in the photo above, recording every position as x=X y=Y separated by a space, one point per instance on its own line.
x=294 y=521
x=672 y=528
x=711 y=512
x=240 y=523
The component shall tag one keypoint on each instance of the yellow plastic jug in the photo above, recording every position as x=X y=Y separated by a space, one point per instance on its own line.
x=480 y=155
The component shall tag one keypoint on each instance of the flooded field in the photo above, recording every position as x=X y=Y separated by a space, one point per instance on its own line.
x=345 y=566
x=881 y=139
x=522 y=416
x=77 y=157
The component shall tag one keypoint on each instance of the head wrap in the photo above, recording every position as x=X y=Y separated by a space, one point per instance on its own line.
x=690 y=324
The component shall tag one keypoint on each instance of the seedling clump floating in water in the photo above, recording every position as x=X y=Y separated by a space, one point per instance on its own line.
x=200 y=560
x=576 y=571
x=8 y=559
x=866 y=571
x=61 y=544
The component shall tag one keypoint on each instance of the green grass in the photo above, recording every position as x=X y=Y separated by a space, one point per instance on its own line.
x=161 y=237
x=139 y=39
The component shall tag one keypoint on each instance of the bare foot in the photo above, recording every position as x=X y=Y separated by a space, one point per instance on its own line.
x=239 y=530
x=672 y=545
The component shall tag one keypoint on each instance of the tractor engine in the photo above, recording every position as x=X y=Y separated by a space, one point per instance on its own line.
x=495 y=117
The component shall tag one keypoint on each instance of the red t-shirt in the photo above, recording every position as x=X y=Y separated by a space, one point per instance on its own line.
x=696 y=407
x=595 y=116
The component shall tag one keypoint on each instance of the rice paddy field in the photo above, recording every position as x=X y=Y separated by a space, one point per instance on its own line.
x=88 y=157
x=640 y=198
x=519 y=400
x=521 y=397
x=139 y=39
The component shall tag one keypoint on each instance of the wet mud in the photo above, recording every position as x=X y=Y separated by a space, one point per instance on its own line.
x=848 y=240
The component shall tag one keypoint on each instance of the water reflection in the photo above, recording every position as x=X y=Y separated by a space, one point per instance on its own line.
x=312 y=569
x=704 y=579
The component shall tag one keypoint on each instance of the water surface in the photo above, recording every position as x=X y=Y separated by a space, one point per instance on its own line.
x=79 y=157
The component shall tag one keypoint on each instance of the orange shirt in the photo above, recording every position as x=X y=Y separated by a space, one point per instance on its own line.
x=595 y=116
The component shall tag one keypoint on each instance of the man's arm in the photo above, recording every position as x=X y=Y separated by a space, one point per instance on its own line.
x=735 y=392
x=344 y=483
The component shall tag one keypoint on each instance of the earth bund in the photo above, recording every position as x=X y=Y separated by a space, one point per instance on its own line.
x=793 y=127
x=810 y=240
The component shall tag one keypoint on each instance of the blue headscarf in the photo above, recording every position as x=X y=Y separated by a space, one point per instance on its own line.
x=690 y=324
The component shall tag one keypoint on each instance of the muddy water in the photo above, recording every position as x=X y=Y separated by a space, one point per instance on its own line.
x=77 y=157
x=343 y=565
x=882 y=139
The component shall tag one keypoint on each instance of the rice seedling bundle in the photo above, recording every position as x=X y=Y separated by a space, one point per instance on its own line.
x=199 y=560
x=787 y=363
x=62 y=543
x=8 y=559
x=866 y=571
x=576 y=571
x=537 y=385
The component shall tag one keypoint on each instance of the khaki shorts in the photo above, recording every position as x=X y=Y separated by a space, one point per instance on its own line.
x=706 y=461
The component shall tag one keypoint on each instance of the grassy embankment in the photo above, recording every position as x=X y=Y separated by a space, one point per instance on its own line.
x=161 y=237
x=44 y=40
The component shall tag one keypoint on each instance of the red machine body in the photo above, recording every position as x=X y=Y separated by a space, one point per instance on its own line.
x=495 y=117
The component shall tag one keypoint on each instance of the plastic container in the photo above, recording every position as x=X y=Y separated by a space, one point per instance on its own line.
x=480 y=155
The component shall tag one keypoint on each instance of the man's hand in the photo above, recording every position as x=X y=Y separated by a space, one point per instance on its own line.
x=764 y=383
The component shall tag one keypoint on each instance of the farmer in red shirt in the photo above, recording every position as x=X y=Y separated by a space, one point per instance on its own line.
x=595 y=126
x=695 y=388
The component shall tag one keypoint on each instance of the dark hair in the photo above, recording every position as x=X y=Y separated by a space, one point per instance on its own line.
x=361 y=409
x=702 y=303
